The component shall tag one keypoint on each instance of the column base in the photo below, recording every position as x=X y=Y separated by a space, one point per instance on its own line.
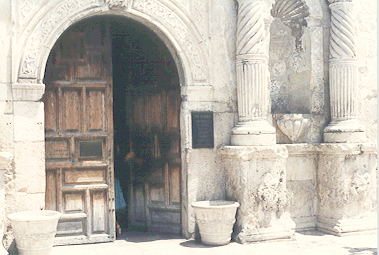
x=345 y=131
x=253 y=133
x=266 y=234
x=347 y=227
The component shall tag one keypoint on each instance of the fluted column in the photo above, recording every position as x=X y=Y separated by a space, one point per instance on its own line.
x=253 y=92
x=343 y=72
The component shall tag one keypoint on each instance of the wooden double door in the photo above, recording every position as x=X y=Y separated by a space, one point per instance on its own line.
x=79 y=142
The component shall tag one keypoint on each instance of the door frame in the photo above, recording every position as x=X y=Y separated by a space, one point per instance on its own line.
x=181 y=38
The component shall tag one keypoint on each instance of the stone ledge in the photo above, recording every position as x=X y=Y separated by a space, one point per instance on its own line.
x=346 y=148
x=253 y=152
x=27 y=92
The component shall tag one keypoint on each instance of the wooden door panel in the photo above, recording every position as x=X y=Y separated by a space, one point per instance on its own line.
x=72 y=103
x=57 y=149
x=96 y=110
x=94 y=69
x=70 y=228
x=152 y=114
x=78 y=135
x=73 y=202
x=156 y=193
x=84 y=176
x=99 y=219
x=51 y=110
x=174 y=185
x=51 y=190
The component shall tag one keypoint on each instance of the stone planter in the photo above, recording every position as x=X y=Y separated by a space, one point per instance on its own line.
x=215 y=220
x=34 y=231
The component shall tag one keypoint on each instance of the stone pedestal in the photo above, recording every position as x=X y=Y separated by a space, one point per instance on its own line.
x=256 y=178
x=347 y=188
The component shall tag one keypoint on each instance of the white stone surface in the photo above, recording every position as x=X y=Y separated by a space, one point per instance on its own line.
x=202 y=36
x=29 y=121
x=5 y=161
x=256 y=178
x=347 y=188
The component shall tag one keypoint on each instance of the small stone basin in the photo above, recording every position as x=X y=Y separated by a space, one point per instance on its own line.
x=34 y=231
x=215 y=220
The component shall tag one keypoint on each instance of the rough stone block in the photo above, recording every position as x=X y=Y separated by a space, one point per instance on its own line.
x=256 y=178
x=347 y=188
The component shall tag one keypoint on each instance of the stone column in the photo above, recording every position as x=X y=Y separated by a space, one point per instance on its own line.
x=253 y=92
x=343 y=72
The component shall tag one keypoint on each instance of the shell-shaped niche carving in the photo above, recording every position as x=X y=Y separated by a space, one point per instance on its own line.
x=292 y=14
x=292 y=125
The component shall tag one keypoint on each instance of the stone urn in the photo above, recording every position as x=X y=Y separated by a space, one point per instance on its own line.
x=215 y=220
x=34 y=231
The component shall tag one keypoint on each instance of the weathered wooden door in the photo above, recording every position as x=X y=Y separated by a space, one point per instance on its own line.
x=79 y=134
x=155 y=192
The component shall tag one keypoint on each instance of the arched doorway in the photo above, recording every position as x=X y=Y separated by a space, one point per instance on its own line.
x=111 y=106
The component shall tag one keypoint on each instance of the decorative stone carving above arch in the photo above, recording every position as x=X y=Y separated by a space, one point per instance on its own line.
x=168 y=20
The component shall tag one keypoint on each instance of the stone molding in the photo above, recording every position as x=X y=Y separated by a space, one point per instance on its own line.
x=27 y=92
x=42 y=32
x=253 y=152
x=346 y=148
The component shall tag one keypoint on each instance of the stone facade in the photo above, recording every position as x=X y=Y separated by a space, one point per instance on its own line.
x=292 y=88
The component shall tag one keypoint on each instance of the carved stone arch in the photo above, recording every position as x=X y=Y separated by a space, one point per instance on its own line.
x=168 y=21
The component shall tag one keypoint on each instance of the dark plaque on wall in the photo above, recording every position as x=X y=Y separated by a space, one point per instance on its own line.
x=202 y=130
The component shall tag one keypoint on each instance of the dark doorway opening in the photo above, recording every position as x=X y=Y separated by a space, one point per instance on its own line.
x=146 y=103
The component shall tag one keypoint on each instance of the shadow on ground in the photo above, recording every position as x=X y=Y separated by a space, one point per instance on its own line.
x=139 y=237
x=362 y=251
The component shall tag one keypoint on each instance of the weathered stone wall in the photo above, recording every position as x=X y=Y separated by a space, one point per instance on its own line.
x=365 y=19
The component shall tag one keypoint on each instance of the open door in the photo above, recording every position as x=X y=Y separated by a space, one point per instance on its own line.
x=147 y=86
x=155 y=191
x=79 y=134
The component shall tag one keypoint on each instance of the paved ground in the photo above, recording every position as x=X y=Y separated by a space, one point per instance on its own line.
x=305 y=243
